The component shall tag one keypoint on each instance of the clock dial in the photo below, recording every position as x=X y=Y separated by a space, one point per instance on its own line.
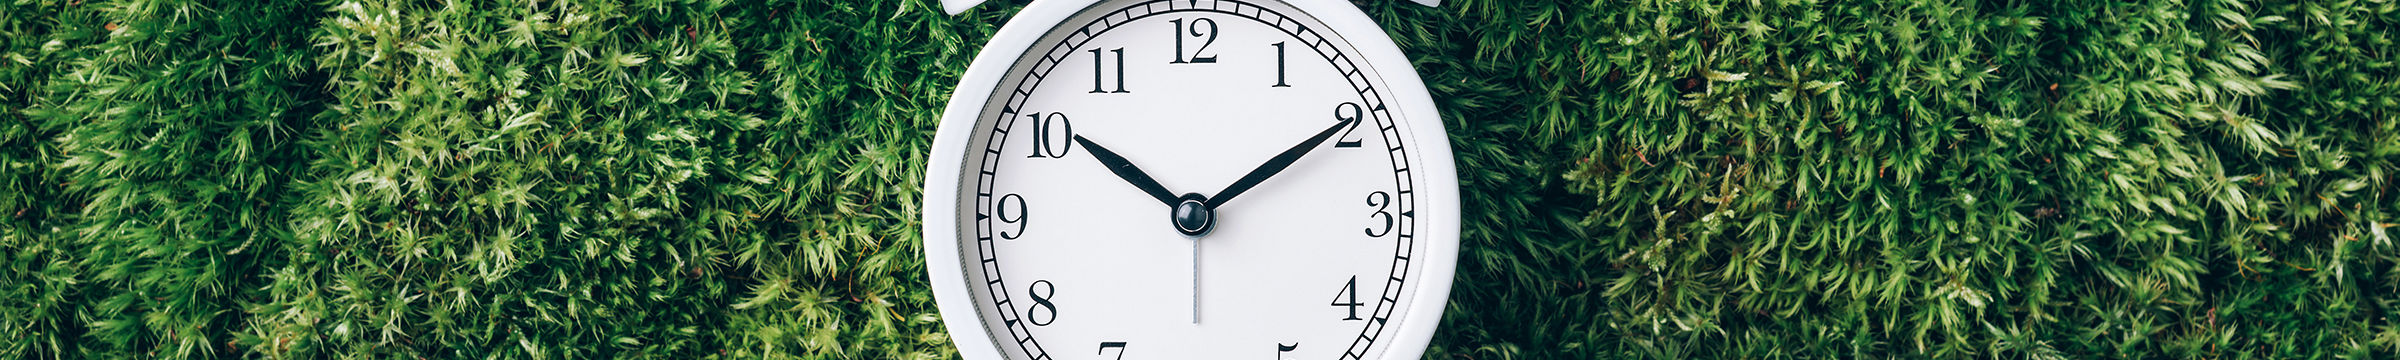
x=1191 y=179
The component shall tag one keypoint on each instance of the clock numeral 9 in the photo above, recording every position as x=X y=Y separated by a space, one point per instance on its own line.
x=1354 y=113
x=1194 y=57
x=1383 y=204
x=1044 y=144
x=1096 y=75
x=1349 y=291
x=1041 y=291
x=1000 y=210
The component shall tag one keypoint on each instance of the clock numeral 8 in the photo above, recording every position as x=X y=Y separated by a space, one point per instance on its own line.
x=1041 y=291
x=1000 y=210
x=1043 y=143
x=1383 y=204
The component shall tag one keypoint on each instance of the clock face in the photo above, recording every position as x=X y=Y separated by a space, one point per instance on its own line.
x=1196 y=179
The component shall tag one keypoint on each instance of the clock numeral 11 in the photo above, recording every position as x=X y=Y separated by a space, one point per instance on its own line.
x=1096 y=74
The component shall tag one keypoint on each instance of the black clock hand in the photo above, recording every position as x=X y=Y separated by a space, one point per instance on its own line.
x=1275 y=165
x=1126 y=170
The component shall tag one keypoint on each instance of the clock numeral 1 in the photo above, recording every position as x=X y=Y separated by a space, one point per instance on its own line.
x=1281 y=349
x=1041 y=291
x=1349 y=291
x=1383 y=203
x=1354 y=114
x=1097 y=74
x=1279 y=66
x=1105 y=345
x=1043 y=143
x=1194 y=57
x=1000 y=210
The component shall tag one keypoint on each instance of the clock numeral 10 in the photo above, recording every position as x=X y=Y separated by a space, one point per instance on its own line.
x=1096 y=74
x=1349 y=291
x=1279 y=66
x=1383 y=204
x=1194 y=57
x=1105 y=345
x=1047 y=146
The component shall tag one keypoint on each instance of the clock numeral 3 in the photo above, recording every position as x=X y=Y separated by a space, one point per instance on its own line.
x=1044 y=144
x=1349 y=291
x=1354 y=113
x=1041 y=291
x=1000 y=210
x=1119 y=345
x=1383 y=203
x=1279 y=66
x=1096 y=74
x=1194 y=57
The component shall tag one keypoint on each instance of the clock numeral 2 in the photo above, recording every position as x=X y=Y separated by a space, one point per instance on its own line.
x=1279 y=66
x=1354 y=114
x=1096 y=74
x=1044 y=144
x=1041 y=291
x=1000 y=210
x=1105 y=345
x=1348 y=291
x=1194 y=57
x=1383 y=203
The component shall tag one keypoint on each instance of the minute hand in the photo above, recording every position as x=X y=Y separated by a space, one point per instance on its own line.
x=1274 y=165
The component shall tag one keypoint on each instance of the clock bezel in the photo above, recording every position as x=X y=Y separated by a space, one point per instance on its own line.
x=1438 y=230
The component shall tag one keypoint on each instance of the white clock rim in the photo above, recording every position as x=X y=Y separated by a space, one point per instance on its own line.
x=1425 y=133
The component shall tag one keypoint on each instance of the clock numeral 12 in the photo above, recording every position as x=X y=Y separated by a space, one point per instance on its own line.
x=1043 y=145
x=1349 y=291
x=1279 y=66
x=1194 y=57
x=1105 y=345
x=1096 y=74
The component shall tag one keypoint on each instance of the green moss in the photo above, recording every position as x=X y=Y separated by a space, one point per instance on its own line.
x=1644 y=179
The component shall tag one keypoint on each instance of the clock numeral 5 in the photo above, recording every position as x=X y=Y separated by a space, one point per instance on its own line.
x=1096 y=75
x=1383 y=204
x=1000 y=210
x=1041 y=291
x=1194 y=57
x=1105 y=345
x=1348 y=291
x=1044 y=144
x=1281 y=349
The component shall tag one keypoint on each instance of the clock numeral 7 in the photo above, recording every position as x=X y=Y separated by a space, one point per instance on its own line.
x=1105 y=345
x=1194 y=57
x=1096 y=74
x=1044 y=144
x=1348 y=291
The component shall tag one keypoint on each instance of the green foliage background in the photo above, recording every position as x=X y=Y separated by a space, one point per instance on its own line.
x=1644 y=178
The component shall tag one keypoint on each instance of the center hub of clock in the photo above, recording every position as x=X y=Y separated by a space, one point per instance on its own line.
x=1192 y=215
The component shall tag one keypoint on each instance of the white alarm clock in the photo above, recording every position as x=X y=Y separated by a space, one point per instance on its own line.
x=1190 y=179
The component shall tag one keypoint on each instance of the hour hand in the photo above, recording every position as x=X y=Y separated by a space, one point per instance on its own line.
x=1126 y=170
x=1275 y=165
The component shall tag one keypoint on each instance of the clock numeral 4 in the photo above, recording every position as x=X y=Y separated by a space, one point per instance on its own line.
x=1349 y=291
x=1105 y=345
x=1097 y=66
x=1346 y=112
x=1383 y=203
x=1041 y=291
x=1001 y=210
x=1052 y=135
x=1194 y=57
x=1279 y=66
